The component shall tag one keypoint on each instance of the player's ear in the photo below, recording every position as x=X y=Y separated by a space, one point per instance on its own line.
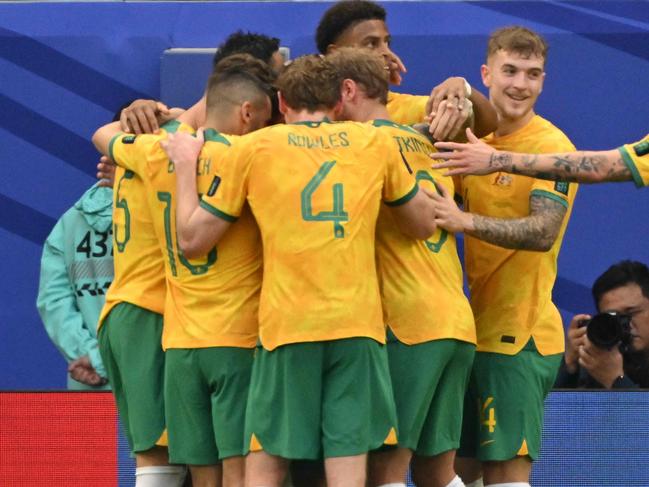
x=486 y=75
x=283 y=107
x=245 y=111
x=331 y=48
x=348 y=89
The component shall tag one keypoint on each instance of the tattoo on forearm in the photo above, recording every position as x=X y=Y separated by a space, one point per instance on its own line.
x=535 y=232
x=501 y=160
x=580 y=166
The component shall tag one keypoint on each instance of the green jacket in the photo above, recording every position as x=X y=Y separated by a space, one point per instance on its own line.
x=76 y=270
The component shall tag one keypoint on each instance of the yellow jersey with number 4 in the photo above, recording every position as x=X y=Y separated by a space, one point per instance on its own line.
x=636 y=158
x=511 y=290
x=315 y=189
x=211 y=301
x=421 y=281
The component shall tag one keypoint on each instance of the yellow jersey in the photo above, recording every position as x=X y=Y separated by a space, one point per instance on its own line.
x=636 y=158
x=315 y=189
x=511 y=290
x=139 y=268
x=421 y=281
x=406 y=109
x=211 y=301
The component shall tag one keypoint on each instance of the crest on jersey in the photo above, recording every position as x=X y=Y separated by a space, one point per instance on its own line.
x=128 y=139
x=503 y=179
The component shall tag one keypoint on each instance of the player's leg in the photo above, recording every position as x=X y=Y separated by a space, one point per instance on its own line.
x=358 y=412
x=189 y=415
x=133 y=335
x=283 y=414
x=228 y=370
x=511 y=392
x=439 y=436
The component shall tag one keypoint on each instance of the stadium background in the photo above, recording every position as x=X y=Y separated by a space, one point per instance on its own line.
x=66 y=67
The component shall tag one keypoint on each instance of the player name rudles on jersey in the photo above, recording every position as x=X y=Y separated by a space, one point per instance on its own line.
x=331 y=141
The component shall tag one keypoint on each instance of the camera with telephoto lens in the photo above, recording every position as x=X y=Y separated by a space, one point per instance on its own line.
x=605 y=330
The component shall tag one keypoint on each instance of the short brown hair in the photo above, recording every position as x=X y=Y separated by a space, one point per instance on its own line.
x=239 y=78
x=519 y=40
x=310 y=83
x=365 y=68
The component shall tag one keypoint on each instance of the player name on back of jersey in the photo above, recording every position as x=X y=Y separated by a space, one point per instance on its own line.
x=331 y=141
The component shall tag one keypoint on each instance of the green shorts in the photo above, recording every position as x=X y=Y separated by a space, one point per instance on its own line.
x=206 y=390
x=130 y=346
x=429 y=382
x=503 y=409
x=331 y=399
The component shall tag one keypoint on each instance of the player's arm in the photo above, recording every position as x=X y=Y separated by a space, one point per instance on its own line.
x=57 y=305
x=146 y=116
x=103 y=136
x=476 y=157
x=415 y=217
x=198 y=229
x=538 y=231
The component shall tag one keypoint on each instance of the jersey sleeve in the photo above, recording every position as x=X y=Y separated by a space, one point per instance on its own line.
x=558 y=191
x=228 y=190
x=127 y=150
x=400 y=185
x=636 y=158
x=562 y=192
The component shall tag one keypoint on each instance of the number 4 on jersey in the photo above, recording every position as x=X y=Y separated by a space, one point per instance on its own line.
x=338 y=214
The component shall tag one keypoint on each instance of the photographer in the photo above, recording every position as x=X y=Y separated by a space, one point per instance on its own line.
x=611 y=349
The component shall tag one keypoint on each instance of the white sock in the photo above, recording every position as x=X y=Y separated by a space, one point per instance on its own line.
x=160 y=476
x=510 y=484
x=456 y=482
x=476 y=483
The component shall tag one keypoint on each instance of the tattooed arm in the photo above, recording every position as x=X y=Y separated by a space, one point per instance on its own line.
x=538 y=231
x=476 y=157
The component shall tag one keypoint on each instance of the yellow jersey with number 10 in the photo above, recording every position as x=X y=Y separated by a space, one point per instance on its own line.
x=212 y=301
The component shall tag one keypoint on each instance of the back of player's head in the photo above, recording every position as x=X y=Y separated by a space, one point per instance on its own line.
x=310 y=83
x=240 y=78
x=257 y=45
x=621 y=274
x=518 y=40
x=343 y=15
x=365 y=67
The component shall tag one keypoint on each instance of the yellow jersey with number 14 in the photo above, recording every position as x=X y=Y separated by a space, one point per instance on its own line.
x=636 y=158
x=212 y=301
x=315 y=189
x=511 y=290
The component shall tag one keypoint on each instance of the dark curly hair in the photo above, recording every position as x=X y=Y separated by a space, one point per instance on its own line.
x=344 y=14
x=257 y=45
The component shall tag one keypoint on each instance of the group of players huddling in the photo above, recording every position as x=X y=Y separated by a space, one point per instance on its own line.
x=308 y=305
